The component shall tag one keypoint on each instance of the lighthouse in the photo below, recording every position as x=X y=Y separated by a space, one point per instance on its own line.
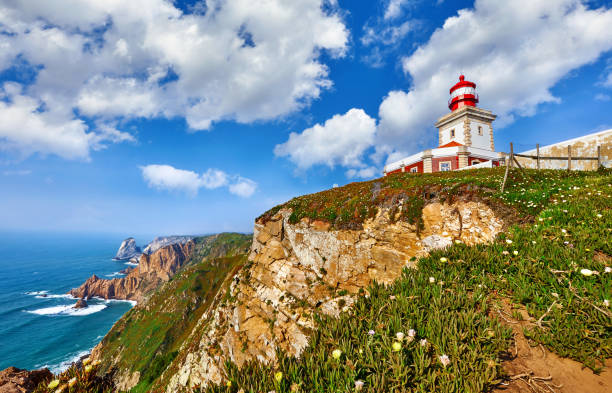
x=465 y=137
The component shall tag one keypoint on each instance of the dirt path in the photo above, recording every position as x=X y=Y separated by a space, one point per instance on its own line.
x=537 y=370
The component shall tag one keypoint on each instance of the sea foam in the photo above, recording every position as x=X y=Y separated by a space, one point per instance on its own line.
x=46 y=295
x=69 y=310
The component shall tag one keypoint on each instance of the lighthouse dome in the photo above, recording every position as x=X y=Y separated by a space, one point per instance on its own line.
x=463 y=93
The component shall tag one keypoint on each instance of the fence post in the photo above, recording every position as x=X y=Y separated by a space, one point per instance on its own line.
x=538 y=154
x=508 y=165
x=598 y=157
x=569 y=158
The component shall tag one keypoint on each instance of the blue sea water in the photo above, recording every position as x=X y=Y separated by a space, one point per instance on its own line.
x=38 y=331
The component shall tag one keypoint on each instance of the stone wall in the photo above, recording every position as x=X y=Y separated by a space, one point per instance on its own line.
x=585 y=146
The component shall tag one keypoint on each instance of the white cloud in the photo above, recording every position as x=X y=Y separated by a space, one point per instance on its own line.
x=394 y=8
x=26 y=128
x=342 y=140
x=166 y=177
x=602 y=97
x=363 y=173
x=113 y=60
x=243 y=187
x=514 y=50
x=387 y=35
x=607 y=82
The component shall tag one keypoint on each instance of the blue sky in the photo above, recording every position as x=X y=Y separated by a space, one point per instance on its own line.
x=196 y=117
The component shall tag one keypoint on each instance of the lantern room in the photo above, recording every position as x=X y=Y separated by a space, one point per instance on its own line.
x=463 y=93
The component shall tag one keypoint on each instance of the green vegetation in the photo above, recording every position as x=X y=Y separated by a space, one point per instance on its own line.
x=349 y=206
x=556 y=266
x=147 y=338
x=81 y=378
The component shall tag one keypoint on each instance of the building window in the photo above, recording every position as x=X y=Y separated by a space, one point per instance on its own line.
x=453 y=133
x=479 y=130
x=445 y=166
x=414 y=169
x=474 y=162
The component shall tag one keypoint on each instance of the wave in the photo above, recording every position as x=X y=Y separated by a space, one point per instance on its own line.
x=36 y=293
x=63 y=365
x=131 y=264
x=115 y=274
x=68 y=310
x=46 y=295
x=106 y=301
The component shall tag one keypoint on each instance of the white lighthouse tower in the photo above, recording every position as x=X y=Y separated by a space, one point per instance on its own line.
x=465 y=137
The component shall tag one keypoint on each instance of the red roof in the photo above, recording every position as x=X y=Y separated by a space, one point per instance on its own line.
x=462 y=83
x=451 y=144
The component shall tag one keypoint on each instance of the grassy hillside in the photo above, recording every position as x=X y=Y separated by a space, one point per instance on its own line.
x=556 y=266
x=147 y=338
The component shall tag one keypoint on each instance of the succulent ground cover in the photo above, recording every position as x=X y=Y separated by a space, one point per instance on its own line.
x=439 y=327
x=78 y=378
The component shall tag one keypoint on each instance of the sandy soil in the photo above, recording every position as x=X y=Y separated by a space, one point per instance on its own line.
x=537 y=370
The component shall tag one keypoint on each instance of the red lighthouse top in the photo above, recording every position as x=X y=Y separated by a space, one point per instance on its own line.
x=463 y=93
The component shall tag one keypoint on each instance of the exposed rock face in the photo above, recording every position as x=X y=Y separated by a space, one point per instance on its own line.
x=14 y=380
x=164 y=241
x=301 y=268
x=81 y=303
x=128 y=250
x=151 y=271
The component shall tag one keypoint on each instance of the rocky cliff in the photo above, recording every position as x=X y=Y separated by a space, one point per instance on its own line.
x=163 y=241
x=128 y=250
x=152 y=269
x=301 y=266
x=14 y=380
x=142 y=343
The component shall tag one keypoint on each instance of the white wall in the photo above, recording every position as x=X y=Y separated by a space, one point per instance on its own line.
x=481 y=141
x=457 y=125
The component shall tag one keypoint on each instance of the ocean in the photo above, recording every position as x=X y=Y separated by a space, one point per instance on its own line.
x=38 y=326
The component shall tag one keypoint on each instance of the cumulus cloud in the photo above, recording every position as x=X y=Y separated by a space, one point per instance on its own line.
x=167 y=177
x=515 y=62
x=602 y=97
x=239 y=60
x=27 y=129
x=243 y=187
x=341 y=140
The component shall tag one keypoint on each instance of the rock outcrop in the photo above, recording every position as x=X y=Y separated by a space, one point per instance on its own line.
x=298 y=269
x=81 y=303
x=14 y=380
x=152 y=270
x=163 y=241
x=128 y=250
